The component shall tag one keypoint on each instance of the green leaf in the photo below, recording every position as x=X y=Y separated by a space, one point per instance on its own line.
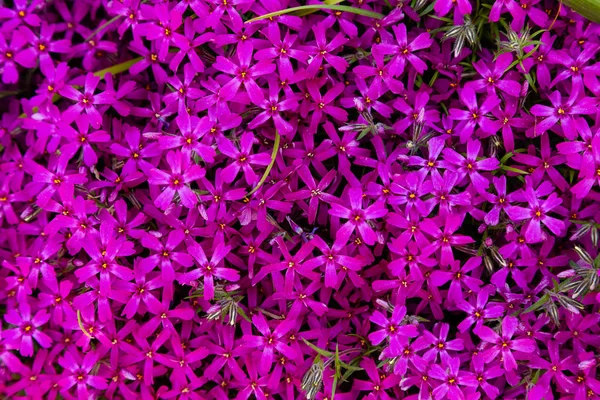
x=506 y=157
x=363 y=133
x=308 y=12
x=118 y=68
x=536 y=376
x=516 y=170
x=334 y=7
x=338 y=362
x=333 y=387
x=538 y=304
x=428 y=9
x=322 y=352
x=588 y=8
x=266 y=174
x=578 y=222
x=241 y=311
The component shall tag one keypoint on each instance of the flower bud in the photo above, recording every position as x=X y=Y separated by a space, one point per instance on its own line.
x=583 y=254
x=594 y=236
x=359 y=104
x=524 y=89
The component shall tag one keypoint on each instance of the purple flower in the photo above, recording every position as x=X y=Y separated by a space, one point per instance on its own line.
x=475 y=116
x=554 y=372
x=504 y=344
x=78 y=372
x=470 y=165
x=357 y=217
x=26 y=329
x=451 y=377
x=209 y=269
x=86 y=101
x=392 y=329
x=242 y=159
x=492 y=80
x=379 y=383
x=564 y=112
x=443 y=7
x=537 y=214
x=478 y=313
x=444 y=240
x=183 y=172
x=324 y=50
x=12 y=54
x=404 y=51
x=244 y=74
x=269 y=342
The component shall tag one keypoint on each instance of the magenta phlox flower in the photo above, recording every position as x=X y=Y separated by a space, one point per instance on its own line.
x=381 y=73
x=293 y=265
x=165 y=255
x=537 y=214
x=439 y=345
x=183 y=173
x=273 y=107
x=554 y=372
x=270 y=341
x=77 y=217
x=444 y=240
x=358 y=218
x=334 y=259
x=323 y=104
x=138 y=294
x=379 y=382
x=324 y=50
x=492 y=79
x=479 y=312
x=243 y=73
x=470 y=165
x=503 y=344
x=404 y=50
x=145 y=352
x=392 y=329
x=190 y=138
x=104 y=262
x=451 y=378
x=209 y=270
x=575 y=67
x=459 y=277
x=26 y=329
x=564 y=112
x=78 y=372
x=481 y=375
x=164 y=27
x=23 y=13
x=475 y=115
x=243 y=159
x=443 y=7
x=589 y=173
x=86 y=101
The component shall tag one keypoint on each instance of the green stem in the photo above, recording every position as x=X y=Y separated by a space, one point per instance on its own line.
x=81 y=325
x=334 y=7
x=110 y=21
x=269 y=167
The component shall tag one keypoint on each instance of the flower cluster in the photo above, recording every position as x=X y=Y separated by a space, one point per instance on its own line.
x=218 y=199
